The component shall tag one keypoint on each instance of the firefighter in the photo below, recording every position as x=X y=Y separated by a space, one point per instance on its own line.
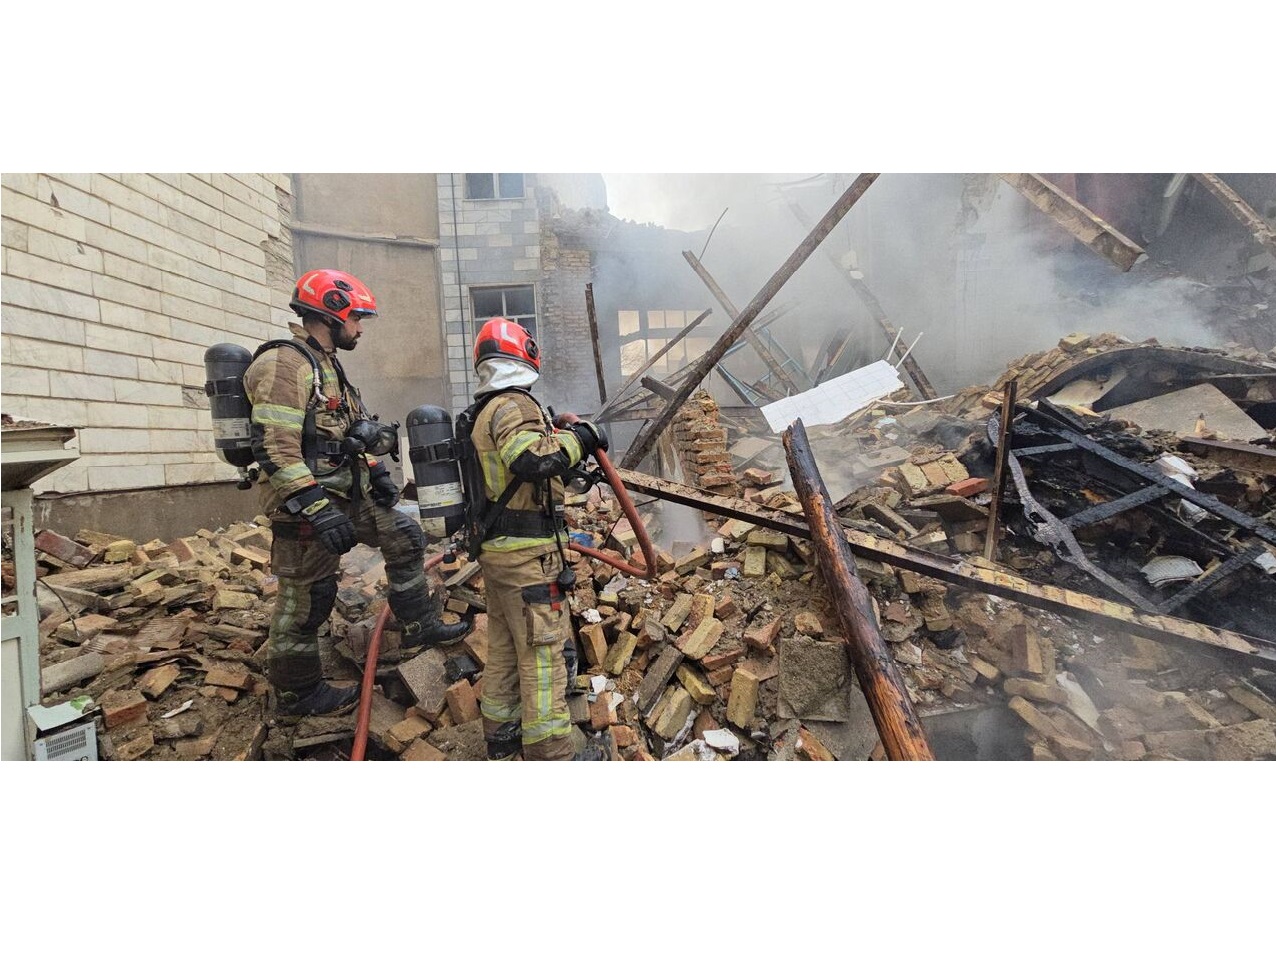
x=523 y=456
x=324 y=493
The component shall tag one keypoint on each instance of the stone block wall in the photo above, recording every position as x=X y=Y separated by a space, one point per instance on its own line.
x=481 y=243
x=113 y=287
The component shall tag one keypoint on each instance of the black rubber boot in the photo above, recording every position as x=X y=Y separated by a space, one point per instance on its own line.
x=430 y=631
x=324 y=699
x=506 y=742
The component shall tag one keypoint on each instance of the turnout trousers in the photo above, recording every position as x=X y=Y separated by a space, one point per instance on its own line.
x=307 y=575
x=525 y=680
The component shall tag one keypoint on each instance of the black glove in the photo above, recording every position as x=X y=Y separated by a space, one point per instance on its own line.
x=384 y=491
x=332 y=527
x=591 y=436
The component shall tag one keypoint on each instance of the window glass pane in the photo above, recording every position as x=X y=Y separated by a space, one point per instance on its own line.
x=655 y=319
x=529 y=324
x=632 y=356
x=487 y=303
x=511 y=185
x=520 y=301
x=675 y=319
x=479 y=186
x=628 y=321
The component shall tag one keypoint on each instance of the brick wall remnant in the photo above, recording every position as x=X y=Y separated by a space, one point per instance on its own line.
x=701 y=442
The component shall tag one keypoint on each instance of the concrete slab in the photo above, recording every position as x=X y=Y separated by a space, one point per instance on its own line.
x=1179 y=412
x=814 y=680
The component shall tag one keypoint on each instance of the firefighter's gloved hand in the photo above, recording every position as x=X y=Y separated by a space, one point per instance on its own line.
x=332 y=527
x=591 y=436
x=384 y=491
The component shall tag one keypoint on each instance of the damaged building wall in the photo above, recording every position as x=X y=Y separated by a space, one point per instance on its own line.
x=487 y=243
x=567 y=350
x=114 y=286
x=384 y=228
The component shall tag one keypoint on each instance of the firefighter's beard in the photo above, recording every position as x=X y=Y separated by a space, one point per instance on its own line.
x=502 y=372
x=342 y=339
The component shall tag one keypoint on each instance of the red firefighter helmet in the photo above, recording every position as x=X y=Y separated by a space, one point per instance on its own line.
x=505 y=338
x=332 y=295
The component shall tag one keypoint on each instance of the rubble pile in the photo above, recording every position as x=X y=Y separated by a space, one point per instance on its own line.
x=733 y=651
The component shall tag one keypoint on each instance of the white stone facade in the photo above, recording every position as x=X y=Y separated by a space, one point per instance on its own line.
x=113 y=287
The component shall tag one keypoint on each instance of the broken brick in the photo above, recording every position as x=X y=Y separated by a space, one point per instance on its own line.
x=743 y=702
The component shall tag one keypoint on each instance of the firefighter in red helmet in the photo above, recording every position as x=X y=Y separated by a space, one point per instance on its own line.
x=324 y=491
x=523 y=456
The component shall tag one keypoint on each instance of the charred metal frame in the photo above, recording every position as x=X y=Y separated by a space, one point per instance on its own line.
x=1056 y=532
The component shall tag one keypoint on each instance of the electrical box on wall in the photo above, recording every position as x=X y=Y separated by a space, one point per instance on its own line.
x=65 y=732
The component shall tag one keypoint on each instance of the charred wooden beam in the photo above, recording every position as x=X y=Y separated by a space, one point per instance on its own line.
x=1078 y=220
x=733 y=311
x=975 y=573
x=893 y=713
x=856 y=279
x=1008 y=395
x=658 y=388
x=593 y=336
x=1240 y=210
x=642 y=446
x=1233 y=455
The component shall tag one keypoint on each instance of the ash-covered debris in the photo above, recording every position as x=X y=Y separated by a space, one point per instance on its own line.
x=733 y=652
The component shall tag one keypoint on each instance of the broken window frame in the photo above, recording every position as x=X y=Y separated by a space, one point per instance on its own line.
x=520 y=315
x=653 y=337
x=501 y=187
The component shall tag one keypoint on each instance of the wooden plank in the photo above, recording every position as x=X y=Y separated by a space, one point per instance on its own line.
x=888 y=700
x=1008 y=396
x=1078 y=220
x=974 y=573
x=642 y=446
x=756 y=342
x=593 y=336
x=1240 y=210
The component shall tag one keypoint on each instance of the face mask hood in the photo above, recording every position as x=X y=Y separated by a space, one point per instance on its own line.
x=498 y=373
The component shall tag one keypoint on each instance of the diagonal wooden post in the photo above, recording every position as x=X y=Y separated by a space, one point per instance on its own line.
x=857 y=283
x=756 y=342
x=893 y=713
x=1009 y=395
x=1079 y=221
x=642 y=445
x=593 y=335
x=1239 y=209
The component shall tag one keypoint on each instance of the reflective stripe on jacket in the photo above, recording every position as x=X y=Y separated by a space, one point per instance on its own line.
x=509 y=425
x=280 y=386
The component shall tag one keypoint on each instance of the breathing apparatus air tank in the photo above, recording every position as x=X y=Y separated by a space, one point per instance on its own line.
x=224 y=367
x=435 y=472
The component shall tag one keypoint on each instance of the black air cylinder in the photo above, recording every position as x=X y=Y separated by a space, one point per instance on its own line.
x=224 y=367
x=435 y=472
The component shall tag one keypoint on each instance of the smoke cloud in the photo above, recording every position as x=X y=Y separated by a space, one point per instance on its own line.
x=962 y=260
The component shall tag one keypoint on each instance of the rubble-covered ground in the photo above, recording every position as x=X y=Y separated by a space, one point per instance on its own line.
x=732 y=652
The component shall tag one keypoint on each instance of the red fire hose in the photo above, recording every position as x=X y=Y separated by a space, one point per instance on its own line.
x=649 y=572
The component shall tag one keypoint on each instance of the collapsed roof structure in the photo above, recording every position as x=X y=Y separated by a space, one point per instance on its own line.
x=1073 y=561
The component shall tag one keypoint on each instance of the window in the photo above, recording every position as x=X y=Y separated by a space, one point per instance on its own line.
x=517 y=303
x=490 y=187
x=662 y=327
